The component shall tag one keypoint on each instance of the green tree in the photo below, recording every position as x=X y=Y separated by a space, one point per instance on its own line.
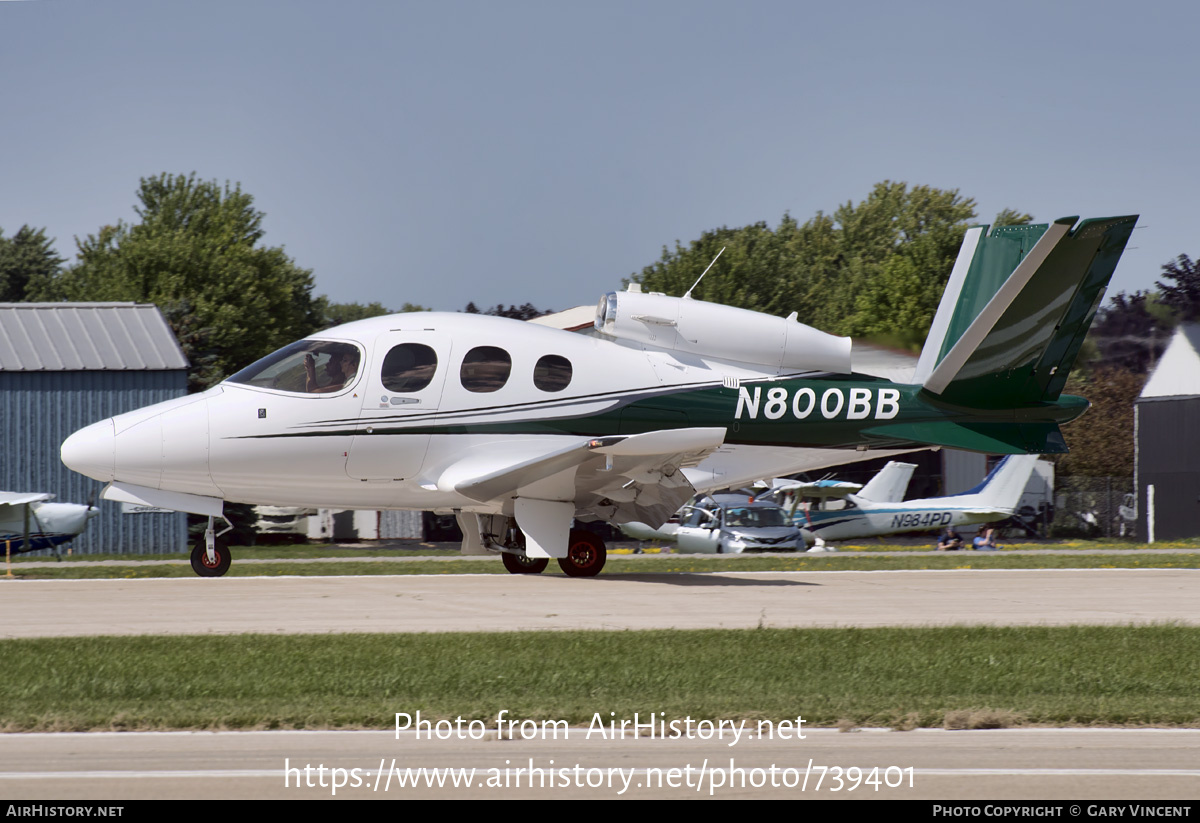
x=1182 y=295
x=196 y=252
x=1101 y=441
x=876 y=268
x=336 y=314
x=27 y=262
x=1008 y=217
x=526 y=311
x=1130 y=333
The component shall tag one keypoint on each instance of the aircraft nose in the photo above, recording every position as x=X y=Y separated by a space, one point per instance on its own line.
x=91 y=451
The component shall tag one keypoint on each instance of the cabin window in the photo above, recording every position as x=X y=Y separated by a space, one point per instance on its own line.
x=552 y=373
x=409 y=367
x=485 y=369
x=305 y=367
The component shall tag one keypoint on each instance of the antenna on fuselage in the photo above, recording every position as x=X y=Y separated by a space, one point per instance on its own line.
x=688 y=295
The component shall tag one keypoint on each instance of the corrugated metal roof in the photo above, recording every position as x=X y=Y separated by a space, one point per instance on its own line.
x=1178 y=372
x=86 y=336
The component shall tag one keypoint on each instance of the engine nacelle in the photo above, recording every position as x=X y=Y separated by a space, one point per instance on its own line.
x=709 y=329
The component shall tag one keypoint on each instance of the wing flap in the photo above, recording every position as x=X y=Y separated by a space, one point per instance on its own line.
x=815 y=489
x=617 y=468
x=508 y=478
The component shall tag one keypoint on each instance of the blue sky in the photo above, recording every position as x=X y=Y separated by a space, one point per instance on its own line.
x=539 y=152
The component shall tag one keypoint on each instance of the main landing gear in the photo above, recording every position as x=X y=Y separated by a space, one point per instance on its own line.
x=585 y=557
x=520 y=564
x=210 y=557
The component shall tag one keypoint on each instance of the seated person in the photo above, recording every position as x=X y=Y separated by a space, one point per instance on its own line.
x=339 y=370
x=986 y=539
x=950 y=541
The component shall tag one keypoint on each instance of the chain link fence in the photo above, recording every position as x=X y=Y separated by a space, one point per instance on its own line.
x=1094 y=507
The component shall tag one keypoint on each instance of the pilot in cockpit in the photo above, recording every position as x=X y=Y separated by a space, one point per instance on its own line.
x=339 y=369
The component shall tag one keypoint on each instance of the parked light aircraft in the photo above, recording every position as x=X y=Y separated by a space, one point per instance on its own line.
x=519 y=428
x=29 y=523
x=877 y=510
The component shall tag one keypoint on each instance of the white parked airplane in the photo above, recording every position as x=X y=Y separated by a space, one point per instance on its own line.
x=519 y=428
x=29 y=523
x=877 y=510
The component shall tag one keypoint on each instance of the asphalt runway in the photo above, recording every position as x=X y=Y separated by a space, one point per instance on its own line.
x=1004 y=764
x=1049 y=764
x=430 y=603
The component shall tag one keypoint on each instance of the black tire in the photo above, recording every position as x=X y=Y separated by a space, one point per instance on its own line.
x=585 y=555
x=202 y=567
x=520 y=564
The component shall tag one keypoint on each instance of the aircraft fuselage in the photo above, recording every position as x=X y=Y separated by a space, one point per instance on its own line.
x=521 y=429
x=369 y=445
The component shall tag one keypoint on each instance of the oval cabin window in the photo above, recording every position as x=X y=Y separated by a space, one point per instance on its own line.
x=552 y=373
x=409 y=367
x=485 y=369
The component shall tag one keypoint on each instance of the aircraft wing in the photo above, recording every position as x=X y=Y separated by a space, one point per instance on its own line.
x=22 y=498
x=618 y=478
x=816 y=488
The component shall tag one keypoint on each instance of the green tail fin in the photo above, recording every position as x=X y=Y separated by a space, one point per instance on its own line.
x=1016 y=310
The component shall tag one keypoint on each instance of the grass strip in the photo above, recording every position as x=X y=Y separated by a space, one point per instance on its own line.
x=974 y=677
x=654 y=564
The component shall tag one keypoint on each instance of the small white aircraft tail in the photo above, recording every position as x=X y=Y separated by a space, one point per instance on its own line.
x=1001 y=490
x=889 y=485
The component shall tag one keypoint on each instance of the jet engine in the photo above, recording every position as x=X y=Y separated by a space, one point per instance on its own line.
x=682 y=324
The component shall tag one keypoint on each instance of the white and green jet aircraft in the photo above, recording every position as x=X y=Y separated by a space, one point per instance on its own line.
x=520 y=429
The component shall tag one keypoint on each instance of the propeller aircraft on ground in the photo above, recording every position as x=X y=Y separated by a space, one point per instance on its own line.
x=28 y=522
x=877 y=510
x=520 y=429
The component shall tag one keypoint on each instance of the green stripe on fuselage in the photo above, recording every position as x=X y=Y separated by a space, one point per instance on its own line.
x=812 y=412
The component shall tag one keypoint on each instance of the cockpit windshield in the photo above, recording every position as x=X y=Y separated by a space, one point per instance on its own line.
x=304 y=367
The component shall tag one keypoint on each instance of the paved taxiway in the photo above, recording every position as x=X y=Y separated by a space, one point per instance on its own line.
x=991 y=765
x=424 y=603
x=1005 y=764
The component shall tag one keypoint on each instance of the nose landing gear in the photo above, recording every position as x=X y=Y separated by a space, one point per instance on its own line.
x=210 y=557
x=217 y=566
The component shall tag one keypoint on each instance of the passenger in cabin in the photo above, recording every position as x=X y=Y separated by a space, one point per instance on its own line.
x=950 y=541
x=340 y=369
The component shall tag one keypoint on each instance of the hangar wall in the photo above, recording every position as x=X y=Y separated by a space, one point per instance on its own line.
x=64 y=366
x=1166 y=425
x=39 y=410
x=1168 y=445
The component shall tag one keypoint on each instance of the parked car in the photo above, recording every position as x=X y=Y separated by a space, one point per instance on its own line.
x=735 y=523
